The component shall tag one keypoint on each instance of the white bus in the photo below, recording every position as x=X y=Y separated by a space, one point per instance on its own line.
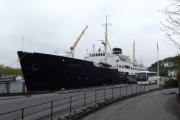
x=147 y=77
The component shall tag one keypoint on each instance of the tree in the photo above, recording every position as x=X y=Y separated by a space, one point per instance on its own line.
x=171 y=27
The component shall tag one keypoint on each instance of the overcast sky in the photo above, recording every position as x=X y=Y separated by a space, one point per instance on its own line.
x=54 y=25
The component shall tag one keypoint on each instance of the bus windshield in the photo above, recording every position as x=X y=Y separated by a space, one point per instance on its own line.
x=141 y=76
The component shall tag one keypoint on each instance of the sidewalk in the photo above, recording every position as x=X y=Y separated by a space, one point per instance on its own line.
x=158 y=105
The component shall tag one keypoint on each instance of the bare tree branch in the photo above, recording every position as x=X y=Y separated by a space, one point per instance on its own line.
x=171 y=27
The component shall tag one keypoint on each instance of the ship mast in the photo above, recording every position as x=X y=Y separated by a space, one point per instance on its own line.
x=106 y=38
x=105 y=42
x=133 y=52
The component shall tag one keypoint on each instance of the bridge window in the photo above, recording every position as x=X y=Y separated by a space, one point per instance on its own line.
x=127 y=67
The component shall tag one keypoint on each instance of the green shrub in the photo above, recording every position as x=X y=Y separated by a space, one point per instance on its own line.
x=178 y=75
x=178 y=79
x=171 y=83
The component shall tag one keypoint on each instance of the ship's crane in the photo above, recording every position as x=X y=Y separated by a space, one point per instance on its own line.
x=72 y=49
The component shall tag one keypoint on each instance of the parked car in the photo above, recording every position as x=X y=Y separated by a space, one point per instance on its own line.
x=131 y=80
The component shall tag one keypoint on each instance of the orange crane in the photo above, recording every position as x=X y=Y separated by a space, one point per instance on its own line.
x=72 y=49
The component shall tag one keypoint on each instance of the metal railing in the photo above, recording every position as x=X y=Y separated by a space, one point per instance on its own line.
x=12 y=87
x=74 y=102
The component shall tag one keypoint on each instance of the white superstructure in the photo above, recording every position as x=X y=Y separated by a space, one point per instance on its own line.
x=117 y=61
x=114 y=59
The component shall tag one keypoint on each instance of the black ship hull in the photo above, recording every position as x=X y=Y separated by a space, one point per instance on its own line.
x=44 y=72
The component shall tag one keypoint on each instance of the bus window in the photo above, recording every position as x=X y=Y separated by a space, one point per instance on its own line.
x=151 y=74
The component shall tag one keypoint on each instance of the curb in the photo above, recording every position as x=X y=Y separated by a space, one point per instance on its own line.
x=10 y=98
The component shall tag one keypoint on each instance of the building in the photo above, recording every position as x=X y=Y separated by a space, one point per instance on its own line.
x=168 y=64
x=172 y=73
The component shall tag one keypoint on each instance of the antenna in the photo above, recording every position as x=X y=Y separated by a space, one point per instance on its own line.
x=106 y=34
x=93 y=47
x=22 y=42
x=133 y=52
x=158 y=63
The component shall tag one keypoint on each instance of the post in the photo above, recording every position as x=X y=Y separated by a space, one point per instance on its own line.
x=8 y=87
x=179 y=90
x=131 y=89
x=95 y=97
x=158 y=63
x=144 y=89
x=22 y=110
x=120 y=91
x=126 y=90
x=104 y=93
x=84 y=98
x=112 y=92
x=70 y=107
x=136 y=89
x=51 y=110
x=24 y=87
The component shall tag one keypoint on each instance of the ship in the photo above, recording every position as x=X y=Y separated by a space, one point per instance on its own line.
x=50 y=72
